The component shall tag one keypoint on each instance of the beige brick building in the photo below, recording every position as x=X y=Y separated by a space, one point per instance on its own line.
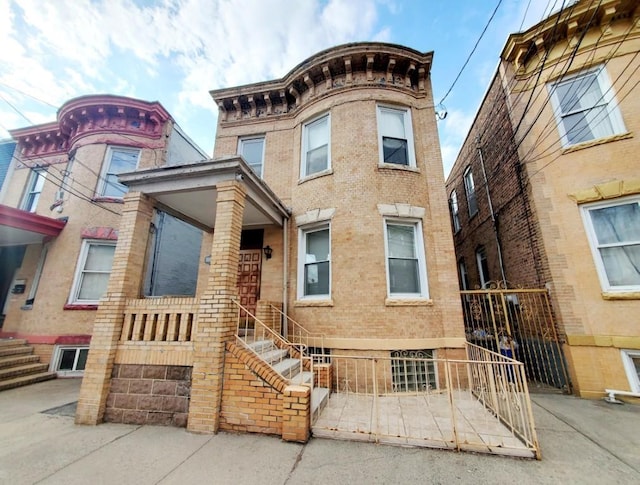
x=61 y=210
x=552 y=159
x=325 y=199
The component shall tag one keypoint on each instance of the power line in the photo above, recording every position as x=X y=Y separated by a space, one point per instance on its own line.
x=471 y=53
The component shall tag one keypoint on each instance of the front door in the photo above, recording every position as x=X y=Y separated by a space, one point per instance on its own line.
x=249 y=267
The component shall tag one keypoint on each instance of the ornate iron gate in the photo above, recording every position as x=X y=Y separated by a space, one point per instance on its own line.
x=518 y=323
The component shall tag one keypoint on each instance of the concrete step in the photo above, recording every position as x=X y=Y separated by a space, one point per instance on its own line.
x=319 y=399
x=13 y=350
x=12 y=342
x=288 y=368
x=261 y=346
x=26 y=380
x=22 y=370
x=15 y=360
x=274 y=356
x=303 y=378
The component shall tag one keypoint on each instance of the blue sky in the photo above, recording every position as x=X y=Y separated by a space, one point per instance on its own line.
x=175 y=51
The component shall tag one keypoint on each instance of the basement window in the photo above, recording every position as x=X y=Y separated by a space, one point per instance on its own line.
x=320 y=355
x=70 y=361
x=631 y=360
x=411 y=371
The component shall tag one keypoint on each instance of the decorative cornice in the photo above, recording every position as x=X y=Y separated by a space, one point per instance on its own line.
x=567 y=24
x=366 y=64
x=90 y=115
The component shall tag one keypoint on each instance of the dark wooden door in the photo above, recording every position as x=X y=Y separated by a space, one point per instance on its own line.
x=249 y=268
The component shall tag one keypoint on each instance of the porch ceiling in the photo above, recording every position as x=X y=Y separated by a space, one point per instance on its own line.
x=18 y=227
x=189 y=191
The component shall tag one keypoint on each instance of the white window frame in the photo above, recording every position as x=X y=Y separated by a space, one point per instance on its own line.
x=607 y=100
x=484 y=278
x=303 y=156
x=54 y=366
x=408 y=131
x=632 y=375
x=418 y=242
x=82 y=260
x=464 y=275
x=34 y=188
x=102 y=183
x=593 y=242
x=455 y=210
x=470 y=192
x=302 y=251
x=245 y=140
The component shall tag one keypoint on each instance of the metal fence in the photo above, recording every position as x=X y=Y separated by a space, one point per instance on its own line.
x=518 y=323
x=477 y=404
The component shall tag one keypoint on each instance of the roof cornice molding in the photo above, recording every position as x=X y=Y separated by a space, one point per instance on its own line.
x=356 y=65
x=89 y=115
x=565 y=25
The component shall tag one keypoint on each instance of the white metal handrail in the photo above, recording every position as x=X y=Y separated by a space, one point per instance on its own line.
x=297 y=333
x=249 y=329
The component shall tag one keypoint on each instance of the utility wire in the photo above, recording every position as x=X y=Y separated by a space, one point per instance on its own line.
x=471 y=53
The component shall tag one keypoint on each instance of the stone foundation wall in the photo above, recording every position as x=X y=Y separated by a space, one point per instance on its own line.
x=149 y=394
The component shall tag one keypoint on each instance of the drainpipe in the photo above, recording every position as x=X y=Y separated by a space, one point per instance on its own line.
x=285 y=271
x=493 y=216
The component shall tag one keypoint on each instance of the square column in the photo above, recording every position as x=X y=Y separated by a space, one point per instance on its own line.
x=216 y=323
x=124 y=283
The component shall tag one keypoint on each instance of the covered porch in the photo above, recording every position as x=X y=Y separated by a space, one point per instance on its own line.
x=182 y=337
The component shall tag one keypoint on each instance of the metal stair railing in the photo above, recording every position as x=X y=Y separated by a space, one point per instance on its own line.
x=250 y=329
x=298 y=334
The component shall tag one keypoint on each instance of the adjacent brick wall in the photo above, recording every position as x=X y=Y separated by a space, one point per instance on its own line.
x=149 y=394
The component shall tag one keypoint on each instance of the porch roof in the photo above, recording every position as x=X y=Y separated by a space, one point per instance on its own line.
x=19 y=227
x=189 y=191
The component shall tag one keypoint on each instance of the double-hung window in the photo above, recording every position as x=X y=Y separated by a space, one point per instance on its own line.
x=314 y=271
x=455 y=216
x=395 y=136
x=93 y=271
x=316 y=150
x=483 y=266
x=470 y=191
x=118 y=160
x=252 y=150
x=34 y=189
x=585 y=108
x=406 y=268
x=614 y=235
x=631 y=360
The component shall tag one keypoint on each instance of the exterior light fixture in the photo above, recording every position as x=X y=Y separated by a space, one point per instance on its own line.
x=267 y=252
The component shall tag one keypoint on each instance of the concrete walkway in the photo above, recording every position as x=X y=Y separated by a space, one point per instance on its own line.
x=582 y=442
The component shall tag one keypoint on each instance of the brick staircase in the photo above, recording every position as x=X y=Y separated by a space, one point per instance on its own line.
x=18 y=365
x=290 y=368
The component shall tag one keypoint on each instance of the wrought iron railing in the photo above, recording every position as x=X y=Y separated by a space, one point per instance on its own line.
x=518 y=323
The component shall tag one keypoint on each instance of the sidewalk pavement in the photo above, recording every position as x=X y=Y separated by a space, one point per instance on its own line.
x=582 y=442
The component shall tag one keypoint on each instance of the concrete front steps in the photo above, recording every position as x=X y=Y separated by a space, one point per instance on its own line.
x=18 y=365
x=290 y=368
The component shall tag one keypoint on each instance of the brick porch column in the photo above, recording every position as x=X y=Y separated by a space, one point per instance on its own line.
x=124 y=283
x=217 y=315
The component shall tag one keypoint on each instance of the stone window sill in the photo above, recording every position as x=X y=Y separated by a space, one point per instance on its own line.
x=395 y=166
x=76 y=306
x=114 y=200
x=599 y=141
x=314 y=176
x=312 y=303
x=621 y=295
x=408 y=302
